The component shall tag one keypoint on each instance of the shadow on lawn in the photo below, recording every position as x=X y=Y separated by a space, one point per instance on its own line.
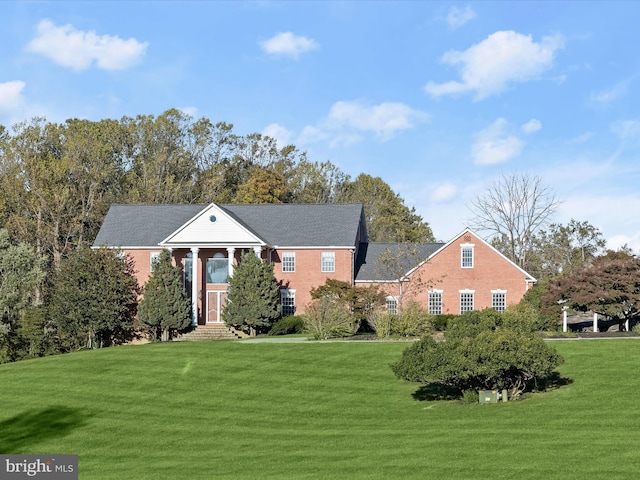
x=31 y=427
x=437 y=391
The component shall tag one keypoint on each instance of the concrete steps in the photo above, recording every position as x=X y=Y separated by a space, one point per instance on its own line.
x=205 y=333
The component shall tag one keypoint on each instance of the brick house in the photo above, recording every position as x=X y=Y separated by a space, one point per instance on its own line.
x=463 y=274
x=307 y=243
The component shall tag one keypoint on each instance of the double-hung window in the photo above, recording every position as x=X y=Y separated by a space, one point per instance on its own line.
x=466 y=300
x=288 y=261
x=153 y=258
x=435 y=302
x=392 y=305
x=466 y=255
x=498 y=300
x=288 y=302
x=328 y=262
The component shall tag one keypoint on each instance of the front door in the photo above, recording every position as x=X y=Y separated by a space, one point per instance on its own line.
x=215 y=302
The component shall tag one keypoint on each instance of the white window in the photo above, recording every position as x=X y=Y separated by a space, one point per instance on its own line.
x=328 y=263
x=498 y=300
x=392 y=305
x=288 y=302
x=187 y=271
x=153 y=258
x=466 y=300
x=435 y=302
x=288 y=261
x=466 y=257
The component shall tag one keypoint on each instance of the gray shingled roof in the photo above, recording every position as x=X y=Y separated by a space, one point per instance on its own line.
x=370 y=268
x=277 y=224
x=143 y=225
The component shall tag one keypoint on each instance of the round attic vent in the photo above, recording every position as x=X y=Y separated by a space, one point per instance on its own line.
x=212 y=218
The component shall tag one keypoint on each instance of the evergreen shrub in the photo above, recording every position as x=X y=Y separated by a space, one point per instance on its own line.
x=288 y=325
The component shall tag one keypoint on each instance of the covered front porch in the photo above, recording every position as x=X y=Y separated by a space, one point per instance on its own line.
x=208 y=248
x=206 y=278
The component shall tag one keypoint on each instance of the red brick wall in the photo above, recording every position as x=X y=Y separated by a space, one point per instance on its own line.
x=142 y=263
x=490 y=272
x=308 y=274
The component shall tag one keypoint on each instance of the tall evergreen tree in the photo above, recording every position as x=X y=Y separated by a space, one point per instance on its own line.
x=165 y=306
x=95 y=298
x=253 y=297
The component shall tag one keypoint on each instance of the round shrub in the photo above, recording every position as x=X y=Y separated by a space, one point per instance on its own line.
x=288 y=325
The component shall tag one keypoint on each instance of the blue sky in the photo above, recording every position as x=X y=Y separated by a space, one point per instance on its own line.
x=437 y=98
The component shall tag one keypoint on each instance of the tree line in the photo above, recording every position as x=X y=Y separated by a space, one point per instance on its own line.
x=57 y=181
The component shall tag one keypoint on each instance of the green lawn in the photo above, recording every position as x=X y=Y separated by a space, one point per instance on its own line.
x=232 y=410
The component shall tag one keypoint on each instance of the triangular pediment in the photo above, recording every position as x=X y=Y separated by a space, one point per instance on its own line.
x=213 y=226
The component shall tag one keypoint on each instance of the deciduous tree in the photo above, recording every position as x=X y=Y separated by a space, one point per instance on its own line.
x=563 y=248
x=388 y=219
x=21 y=273
x=513 y=209
x=609 y=287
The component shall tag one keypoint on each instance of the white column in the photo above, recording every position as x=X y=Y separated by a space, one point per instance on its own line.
x=595 y=322
x=564 y=320
x=194 y=286
x=626 y=325
x=257 y=251
x=230 y=252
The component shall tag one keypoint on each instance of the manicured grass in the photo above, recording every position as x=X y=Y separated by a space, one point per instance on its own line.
x=231 y=410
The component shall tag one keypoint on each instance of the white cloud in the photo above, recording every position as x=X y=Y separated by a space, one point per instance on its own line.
x=286 y=44
x=504 y=57
x=605 y=97
x=189 y=110
x=11 y=95
x=580 y=138
x=457 y=16
x=385 y=119
x=495 y=144
x=348 y=122
x=444 y=192
x=531 y=126
x=626 y=129
x=279 y=133
x=79 y=50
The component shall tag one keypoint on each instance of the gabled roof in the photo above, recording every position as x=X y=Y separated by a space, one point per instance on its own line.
x=213 y=226
x=368 y=263
x=369 y=260
x=282 y=225
x=468 y=230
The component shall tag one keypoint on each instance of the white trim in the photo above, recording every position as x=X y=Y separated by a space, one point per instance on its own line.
x=307 y=247
x=154 y=255
x=194 y=285
x=466 y=291
x=282 y=262
x=391 y=298
x=332 y=256
x=290 y=293
x=214 y=210
x=467 y=246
